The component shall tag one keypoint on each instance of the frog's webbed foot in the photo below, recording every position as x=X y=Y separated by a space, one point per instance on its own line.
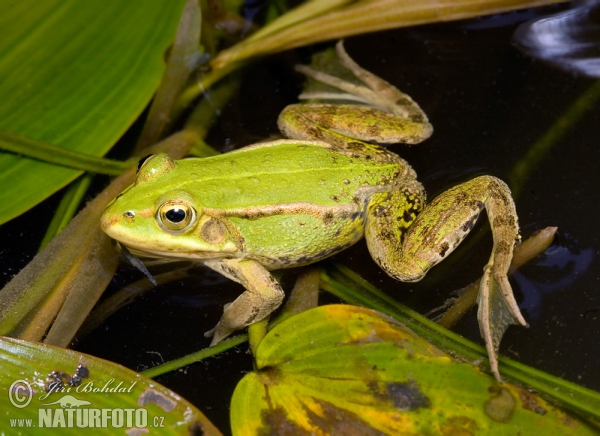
x=406 y=251
x=262 y=296
x=497 y=310
x=396 y=117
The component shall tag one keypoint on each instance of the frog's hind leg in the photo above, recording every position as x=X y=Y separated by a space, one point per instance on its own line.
x=407 y=250
x=262 y=296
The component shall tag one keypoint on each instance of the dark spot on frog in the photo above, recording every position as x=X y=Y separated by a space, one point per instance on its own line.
x=502 y=247
x=380 y=212
x=444 y=248
x=501 y=406
x=468 y=225
x=229 y=270
x=385 y=234
x=335 y=198
x=501 y=221
x=315 y=132
x=328 y=218
x=460 y=197
x=356 y=215
x=252 y=317
x=303 y=259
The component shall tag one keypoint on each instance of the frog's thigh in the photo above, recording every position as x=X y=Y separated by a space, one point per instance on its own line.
x=262 y=296
x=440 y=228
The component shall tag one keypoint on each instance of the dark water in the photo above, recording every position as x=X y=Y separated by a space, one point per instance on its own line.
x=488 y=104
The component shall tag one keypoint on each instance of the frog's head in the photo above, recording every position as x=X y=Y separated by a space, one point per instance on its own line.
x=157 y=218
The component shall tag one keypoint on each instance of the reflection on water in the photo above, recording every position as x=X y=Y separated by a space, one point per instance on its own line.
x=559 y=267
x=569 y=40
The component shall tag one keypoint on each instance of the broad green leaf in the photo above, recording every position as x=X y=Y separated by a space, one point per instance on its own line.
x=348 y=370
x=111 y=399
x=76 y=75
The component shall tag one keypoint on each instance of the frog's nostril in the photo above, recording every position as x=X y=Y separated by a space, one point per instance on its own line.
x=129 y=214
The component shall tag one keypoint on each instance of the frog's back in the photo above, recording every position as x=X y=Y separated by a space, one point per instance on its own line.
x=280 y=172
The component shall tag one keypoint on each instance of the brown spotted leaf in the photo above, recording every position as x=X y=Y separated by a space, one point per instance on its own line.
x=349 y=370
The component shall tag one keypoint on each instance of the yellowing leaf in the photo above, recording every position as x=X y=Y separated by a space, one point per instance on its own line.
x=349 y=370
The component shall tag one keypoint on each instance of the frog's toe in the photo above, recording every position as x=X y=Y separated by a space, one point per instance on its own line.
x=497 y=311
x=218 y=334
x=210 y=333
x=406 y=270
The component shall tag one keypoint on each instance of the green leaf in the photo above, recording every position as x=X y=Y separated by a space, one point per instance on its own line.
x=339 y=369
x=76 y=75
x=30 y=392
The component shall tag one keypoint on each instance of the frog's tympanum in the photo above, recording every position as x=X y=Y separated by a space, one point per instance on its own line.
x=292 y=202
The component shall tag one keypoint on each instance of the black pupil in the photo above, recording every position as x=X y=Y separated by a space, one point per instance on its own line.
x=175 y=215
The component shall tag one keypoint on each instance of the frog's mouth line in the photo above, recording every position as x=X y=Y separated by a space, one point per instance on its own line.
x=169 y=255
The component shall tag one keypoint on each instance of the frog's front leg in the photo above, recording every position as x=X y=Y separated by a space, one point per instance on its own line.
x=407 y=251
x=262 y=296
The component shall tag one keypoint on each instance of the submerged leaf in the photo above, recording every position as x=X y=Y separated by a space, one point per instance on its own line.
x=348 y=370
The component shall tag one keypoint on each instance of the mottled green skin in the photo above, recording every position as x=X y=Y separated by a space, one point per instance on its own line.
x=284 y=203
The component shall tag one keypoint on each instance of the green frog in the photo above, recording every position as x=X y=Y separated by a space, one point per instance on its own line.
x=296 y=201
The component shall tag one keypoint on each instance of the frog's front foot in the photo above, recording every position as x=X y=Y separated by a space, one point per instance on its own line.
x=262 y=296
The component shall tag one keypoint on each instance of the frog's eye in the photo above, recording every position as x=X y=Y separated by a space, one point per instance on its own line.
x=142 y=161
x=175 y=216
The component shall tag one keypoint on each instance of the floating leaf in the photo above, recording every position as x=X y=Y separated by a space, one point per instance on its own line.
x=348 y=370
x=49 y=387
